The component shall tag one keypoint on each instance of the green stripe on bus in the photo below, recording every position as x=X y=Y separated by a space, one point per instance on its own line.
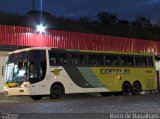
x=90 y=76
x=77 y=77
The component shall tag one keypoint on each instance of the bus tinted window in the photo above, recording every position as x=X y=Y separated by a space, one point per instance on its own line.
x=63 y=59
x=82 y=59
x=150 y=61
x=130 y=61
x=92 y=60
x=36 y=55
x=73 y=59
x=115 y=60
x=100 y=60
x=43 y=67
x=18 y=56
x=123 y=60
x=138 y=61
x=108 y=60
x=53 y=58
x=143 y=61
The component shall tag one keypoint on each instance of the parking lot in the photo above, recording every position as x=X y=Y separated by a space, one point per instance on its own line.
x=80 y=104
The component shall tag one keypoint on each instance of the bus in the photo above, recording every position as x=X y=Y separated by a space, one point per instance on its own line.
x=54 y=72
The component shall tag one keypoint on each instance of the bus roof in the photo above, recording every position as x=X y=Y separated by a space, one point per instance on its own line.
x=28 y=49
x=85 y=51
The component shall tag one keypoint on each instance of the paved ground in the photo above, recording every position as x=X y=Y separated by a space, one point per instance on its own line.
x=79 y=105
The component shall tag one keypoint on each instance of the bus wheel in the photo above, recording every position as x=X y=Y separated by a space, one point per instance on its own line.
x=106 y=93
x=136 y=88
x=126 y=89
x=56 y=91
x=36 y=97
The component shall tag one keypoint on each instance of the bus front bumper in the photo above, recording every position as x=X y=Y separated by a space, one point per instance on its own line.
x=17 y=91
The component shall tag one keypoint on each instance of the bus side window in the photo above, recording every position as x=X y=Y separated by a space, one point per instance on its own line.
x=63 y=58
x=73 y=59
x=93 y=60
x=123 y=60
x=31 y=68
x=115 y=60
x=108 y=60
x=100 y=60
x=150 y=61
x=82 y=59
x=34 y=73
x=42 y=70
x=130 y=61
x=138 y=61
x=53 y=58
x=144 y=61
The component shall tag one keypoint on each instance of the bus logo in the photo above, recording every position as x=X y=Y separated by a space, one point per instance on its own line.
x=115 y=71
x=56 y=71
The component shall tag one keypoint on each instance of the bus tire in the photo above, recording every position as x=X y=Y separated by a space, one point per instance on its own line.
x=136 y=88
x=36 y=97
x=56 y=91
x=106 y=93
x=126 y=88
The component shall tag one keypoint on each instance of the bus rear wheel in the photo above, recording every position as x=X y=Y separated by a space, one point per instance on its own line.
x=126 y=88
x=56 y=91
x=136 y=88
x=36 y=97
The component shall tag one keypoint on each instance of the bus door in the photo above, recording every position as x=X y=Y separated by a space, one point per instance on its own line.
x=34 y=76
x=37 y=71
x=37 y=74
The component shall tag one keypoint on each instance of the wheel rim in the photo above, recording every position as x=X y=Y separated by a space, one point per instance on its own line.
x=126 y=89
x=136 y=88
x=56 y=92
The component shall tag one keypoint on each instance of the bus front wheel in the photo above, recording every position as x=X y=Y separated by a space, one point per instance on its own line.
x=36 y=97
x=56 y=91
x=126 y=88
x=136 y=88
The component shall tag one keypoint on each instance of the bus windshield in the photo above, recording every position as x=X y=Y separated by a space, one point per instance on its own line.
x=27 y=66
x=16 y=72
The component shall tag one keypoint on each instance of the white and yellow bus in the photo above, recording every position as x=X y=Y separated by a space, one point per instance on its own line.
x=39 y=72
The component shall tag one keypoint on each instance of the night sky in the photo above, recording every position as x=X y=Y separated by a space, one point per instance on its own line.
x=125 y=9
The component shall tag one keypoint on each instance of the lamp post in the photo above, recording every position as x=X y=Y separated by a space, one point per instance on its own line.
x=40 y=28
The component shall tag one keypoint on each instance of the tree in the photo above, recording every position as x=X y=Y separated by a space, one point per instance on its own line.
x=107 y=18
x=142 y=21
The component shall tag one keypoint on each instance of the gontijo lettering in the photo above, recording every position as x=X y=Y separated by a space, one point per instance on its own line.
x=115 y=71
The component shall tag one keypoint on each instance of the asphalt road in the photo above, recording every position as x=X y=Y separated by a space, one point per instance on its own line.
x=80 y=105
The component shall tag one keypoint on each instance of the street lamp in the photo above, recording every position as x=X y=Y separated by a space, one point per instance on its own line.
x=40 y=28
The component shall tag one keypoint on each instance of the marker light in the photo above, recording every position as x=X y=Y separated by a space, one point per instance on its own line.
x=41 y=28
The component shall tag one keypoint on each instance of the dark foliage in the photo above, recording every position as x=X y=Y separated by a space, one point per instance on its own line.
x=105 y=23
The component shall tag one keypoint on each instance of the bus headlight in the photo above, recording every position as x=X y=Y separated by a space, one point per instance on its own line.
x=24 y=86
x=5 y=88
